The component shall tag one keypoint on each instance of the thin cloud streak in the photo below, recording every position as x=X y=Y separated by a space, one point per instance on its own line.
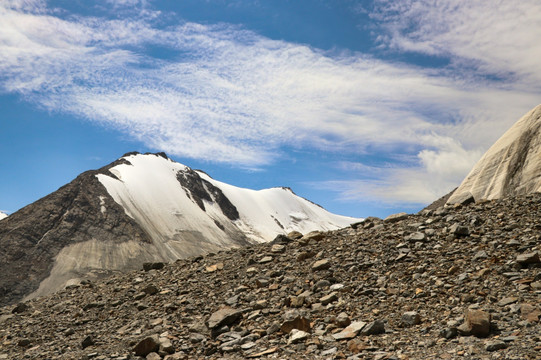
x=230 y=95
x=500 y=39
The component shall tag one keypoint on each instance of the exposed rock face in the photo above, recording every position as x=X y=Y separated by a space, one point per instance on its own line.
x=512 y=166
x=34 y=236
x=139 y=209
x=382 y=297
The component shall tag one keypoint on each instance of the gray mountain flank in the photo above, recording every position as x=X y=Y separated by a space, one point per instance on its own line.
x=33 y=237
x=510 y=167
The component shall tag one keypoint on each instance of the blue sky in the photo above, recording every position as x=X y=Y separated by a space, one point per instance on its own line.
x=365 y=107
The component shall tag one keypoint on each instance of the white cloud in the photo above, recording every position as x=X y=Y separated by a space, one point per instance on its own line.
x=230 y=95
x=435 y=173
x=500 y=38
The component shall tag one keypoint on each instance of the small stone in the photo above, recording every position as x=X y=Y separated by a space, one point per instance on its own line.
x=330 y=351
x=464 y=198
x=351 y=331
x=252 y=271
x=305 y=255
x=495 y=345
x=295 y=235
x=416 y=237
x=20 y=308
x=481 y=254
x=248 y=345
x=336 y=287
x=356 y=346
x=507 y=301
x=147 y=345
x=139 y=296
x=281 y=239
x=153 y=356
x=197 y=338
x=87 y=341
x=273 y=328
x=153 y=266
x=374 y=328
x=260 y=304
x=141 y=306
x=477 y=323
x=24 y=343
x=528 y=258
x=530 y=312
x=459 y=230
x=224 y=316
x=294 y=320
x=296 y=336
x=265 y=259
x=261 y=283
x=215 y=267
x=151 y=289
x=343 y=320
x=313 y=235
x=296 y=301
x=166 y=345
x=233 y=300
x=328 y=298
x=321 y=265
x=395 y=217
x=278 y=248
x=449 y=333
x=410 y=318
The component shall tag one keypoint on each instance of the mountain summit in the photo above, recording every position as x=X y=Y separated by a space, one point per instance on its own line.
x=141 y=208
x=512 y=166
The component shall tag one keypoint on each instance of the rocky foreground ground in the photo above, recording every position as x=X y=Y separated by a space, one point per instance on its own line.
x=451 y=283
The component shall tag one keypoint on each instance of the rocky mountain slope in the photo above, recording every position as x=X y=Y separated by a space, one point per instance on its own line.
x=138 y=209
x=510 y=167
x=455 y=282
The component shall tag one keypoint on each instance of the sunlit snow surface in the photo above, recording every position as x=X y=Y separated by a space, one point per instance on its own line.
x=3 y=215
x=150 y=193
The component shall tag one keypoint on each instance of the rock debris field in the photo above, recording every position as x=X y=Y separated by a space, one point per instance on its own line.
x=451 y=283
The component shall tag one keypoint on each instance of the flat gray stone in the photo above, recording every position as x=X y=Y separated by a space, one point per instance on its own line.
x=351 y=331
x=225 y=316
x=321 y=265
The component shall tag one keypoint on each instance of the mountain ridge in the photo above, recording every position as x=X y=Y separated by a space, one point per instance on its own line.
x=140 y=208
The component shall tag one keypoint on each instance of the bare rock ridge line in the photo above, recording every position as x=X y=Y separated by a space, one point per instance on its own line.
x=199 y=189
x=511 y=166
x=140 y=208
x=457 y=282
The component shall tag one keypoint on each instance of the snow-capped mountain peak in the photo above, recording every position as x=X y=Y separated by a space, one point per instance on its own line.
x=190 y=200
x=140 y=208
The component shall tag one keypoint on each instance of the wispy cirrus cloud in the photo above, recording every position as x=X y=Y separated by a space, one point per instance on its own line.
x=227 y=94
x=500 y=38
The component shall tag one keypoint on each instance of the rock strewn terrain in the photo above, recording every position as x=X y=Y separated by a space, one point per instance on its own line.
x=459 y=282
